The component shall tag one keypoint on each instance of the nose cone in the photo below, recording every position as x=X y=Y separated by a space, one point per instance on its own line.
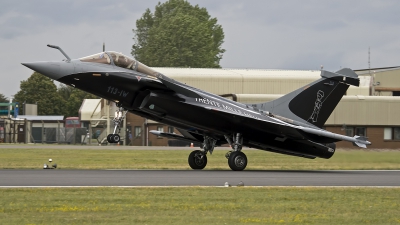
x=49 y=69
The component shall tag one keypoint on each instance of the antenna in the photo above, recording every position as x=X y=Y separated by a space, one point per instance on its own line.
x=104 y=47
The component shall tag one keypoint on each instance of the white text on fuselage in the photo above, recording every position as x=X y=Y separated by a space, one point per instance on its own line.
x=220 y=105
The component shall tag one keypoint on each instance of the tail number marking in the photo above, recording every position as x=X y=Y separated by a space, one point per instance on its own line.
x=116 y=91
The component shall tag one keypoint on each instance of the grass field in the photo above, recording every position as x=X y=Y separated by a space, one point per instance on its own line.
x=197 y=205
x=177 y=159
x=200 y=206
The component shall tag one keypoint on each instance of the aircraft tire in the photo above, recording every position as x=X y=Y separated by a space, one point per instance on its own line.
x=109 y=138
x=237 y=161
x=115 y=138
x=195 y=162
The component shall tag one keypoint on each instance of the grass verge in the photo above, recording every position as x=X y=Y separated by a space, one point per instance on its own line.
x=177 y=159
x=200 y=206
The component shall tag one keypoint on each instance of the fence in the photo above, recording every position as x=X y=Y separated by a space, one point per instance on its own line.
x=75 y=136
x=23 y=131
x=59 y=135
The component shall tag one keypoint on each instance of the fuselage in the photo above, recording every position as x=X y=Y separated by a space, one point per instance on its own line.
x=147 y=93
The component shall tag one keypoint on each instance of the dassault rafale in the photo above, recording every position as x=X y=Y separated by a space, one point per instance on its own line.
x=291 y=124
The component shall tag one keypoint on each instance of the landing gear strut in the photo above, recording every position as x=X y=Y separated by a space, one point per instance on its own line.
x=237 y=160
x=119 y=117
x=198 y=158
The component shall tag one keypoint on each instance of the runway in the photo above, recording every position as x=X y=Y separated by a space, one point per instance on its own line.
x=68 y=178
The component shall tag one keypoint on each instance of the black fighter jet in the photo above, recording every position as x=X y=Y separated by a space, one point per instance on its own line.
x=289 y=125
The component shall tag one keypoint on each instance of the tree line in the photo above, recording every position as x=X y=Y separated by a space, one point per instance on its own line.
x=176 y=34
x=51 y=100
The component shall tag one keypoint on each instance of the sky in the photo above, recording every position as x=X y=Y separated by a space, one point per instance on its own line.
x=259 y=34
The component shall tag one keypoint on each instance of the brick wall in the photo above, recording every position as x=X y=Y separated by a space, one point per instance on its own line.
x=374 y=134
x=133 y=120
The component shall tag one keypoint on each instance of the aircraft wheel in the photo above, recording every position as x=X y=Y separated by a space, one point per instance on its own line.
x=115 y=138
x=197 y=160
x=237 y=161
x=109 y=138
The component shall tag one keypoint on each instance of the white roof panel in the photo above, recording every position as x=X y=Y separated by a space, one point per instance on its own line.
x=90 y=109
x=44 y=118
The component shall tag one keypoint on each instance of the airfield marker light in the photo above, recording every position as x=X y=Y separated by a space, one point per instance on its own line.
x=227 y=184
x=54 y=165
x=240 y=184
x=45 y=166
x=50 y=160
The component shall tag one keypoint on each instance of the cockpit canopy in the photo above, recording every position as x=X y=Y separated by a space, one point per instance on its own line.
x=120 y=60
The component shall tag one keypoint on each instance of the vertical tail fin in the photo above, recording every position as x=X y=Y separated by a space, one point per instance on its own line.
x=314 y=102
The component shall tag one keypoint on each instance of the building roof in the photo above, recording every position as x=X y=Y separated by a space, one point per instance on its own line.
x=251 y=81
x=39 y=118
x=90 y=109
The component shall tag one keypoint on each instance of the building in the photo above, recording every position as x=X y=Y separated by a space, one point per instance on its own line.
x=44 y=129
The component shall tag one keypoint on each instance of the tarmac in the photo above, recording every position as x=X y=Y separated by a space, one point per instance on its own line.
x=172 y=178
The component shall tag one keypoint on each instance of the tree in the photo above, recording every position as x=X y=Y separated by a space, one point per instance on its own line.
x=65 y=91
x=3 y=99
x=178 y=35
x=41 y=90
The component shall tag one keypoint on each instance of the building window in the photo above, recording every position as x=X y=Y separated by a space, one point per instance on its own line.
x=396 y=133
x=138 y=131
x=361 y=131
x=350 y=131
x=387 y=133
x=171 y=130
x=391 y=133
x=160 y=128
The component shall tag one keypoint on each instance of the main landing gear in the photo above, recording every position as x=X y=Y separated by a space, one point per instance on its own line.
x=198 y=158
x=119 y=117
x=237 y=160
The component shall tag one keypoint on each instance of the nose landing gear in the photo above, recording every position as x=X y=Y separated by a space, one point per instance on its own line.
x=119 y=117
